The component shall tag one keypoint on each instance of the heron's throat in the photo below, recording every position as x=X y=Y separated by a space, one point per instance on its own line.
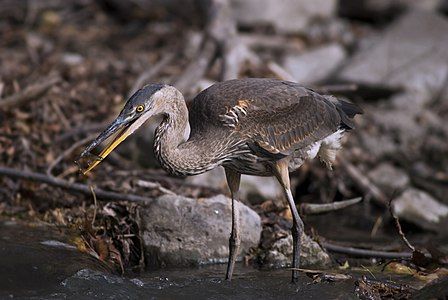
x=176 y=152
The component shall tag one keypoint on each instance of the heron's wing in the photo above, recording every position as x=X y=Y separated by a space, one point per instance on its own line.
x=293 y=127
x=274 y=117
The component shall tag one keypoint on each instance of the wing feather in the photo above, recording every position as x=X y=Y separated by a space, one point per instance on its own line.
x=273 y=117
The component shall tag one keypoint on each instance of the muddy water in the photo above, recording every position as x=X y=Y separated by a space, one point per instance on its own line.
x=36 y=263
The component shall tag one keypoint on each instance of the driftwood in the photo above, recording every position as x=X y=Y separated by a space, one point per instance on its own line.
x=31 y=92
x=316 y=209
x=365 y=252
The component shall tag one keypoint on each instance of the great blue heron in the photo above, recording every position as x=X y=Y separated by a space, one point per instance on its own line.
x=263 y=127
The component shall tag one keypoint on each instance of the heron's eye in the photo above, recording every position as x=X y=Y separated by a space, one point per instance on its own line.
x=139 y=108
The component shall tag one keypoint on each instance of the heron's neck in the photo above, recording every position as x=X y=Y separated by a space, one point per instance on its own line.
x=174 y=151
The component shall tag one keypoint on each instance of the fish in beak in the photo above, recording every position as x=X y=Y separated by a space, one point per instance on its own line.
x=141 y=106
x=122 y=127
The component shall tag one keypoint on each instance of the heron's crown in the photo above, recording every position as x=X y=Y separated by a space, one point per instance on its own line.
x=143 y=94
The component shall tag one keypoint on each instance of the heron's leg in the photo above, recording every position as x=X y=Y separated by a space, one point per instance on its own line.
x=233 y=180
x=282 y=174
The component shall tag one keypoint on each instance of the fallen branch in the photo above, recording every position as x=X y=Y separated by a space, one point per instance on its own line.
x=363 y=182
x=315 y=209
x=31 y=92
x=71 y=187
x=95 y=203
x=365 y=252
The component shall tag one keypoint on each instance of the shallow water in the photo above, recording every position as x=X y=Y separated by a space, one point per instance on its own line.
x=36 y=263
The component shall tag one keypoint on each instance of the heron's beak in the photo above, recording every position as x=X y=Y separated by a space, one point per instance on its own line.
x=122 y=127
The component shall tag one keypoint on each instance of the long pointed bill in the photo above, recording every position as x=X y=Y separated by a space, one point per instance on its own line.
x=122 y=128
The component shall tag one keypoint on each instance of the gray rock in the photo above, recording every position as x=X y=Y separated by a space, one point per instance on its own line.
x=289 y=16
x=409 y=102
x=389 y=178
x=316 y=64
x=410 y=54
x=312 y=255
x=179 y=231
x=402 y=125
x=334 y=29
x=378 y=145
x=419 y=208
x=214 y=178
x=253 y=188
x=257 y=189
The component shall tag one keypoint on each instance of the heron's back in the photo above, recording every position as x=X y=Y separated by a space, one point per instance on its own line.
x=272 y=118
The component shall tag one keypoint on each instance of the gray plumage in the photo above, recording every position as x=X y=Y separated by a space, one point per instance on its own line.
x=263 y=127
x=247 y=123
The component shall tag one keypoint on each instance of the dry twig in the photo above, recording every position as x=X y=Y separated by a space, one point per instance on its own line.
x=95 y=204
x=398 y=226
x=29 y=93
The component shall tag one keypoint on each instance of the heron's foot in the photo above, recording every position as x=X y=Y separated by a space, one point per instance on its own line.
x=295 y=276
x=234 y=246
x=297 y=231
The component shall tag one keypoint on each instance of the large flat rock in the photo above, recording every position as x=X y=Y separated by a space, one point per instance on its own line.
x=410 y=54
x=290 y=16
x=421 y=209
x=179 y=231
x=255 y=189
x=389 y=178
x=316 y=64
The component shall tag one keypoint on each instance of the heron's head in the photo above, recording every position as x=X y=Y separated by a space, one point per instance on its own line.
x=141 y=106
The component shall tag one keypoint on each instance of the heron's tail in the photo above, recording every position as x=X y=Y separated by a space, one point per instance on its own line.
x=347 y=111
